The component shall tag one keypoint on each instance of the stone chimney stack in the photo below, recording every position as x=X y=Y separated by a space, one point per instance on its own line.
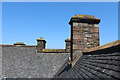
x=41 y=43
x=84 y=32
x=67 y=41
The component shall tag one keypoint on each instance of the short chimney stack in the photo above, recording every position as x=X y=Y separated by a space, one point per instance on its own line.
x=41 y=43
x=67 y=41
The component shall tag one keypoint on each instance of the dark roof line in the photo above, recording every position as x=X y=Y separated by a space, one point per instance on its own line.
x=18 y=45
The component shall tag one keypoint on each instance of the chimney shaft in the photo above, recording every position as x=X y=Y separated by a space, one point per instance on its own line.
x=84 y=33
x=67 y=41
x=41 y=43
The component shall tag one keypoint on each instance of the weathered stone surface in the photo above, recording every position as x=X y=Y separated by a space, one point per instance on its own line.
x=83 y=24
x=85 y=34
x=88 y=35
x=41 y=43
x=103 y=46
x=75 y=24
x=96 y=25
x=85 y=16
x=68 y=44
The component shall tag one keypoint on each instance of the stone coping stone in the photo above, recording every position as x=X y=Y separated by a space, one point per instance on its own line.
x=85 y=17
x=53 y=50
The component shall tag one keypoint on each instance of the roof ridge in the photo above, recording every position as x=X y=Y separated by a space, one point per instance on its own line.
x=21 y=45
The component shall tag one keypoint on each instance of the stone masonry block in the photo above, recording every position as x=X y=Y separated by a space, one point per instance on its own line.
x=75 y=24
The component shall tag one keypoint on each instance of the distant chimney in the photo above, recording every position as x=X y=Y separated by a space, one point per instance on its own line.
x=67 y=41
x=41 y=43
x=19 y=44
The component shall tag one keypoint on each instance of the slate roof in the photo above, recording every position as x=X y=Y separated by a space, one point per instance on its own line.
x=25 y=62
x=98 y=63
x=101 y=62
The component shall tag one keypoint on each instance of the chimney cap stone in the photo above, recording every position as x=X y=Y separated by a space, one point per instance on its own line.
x=19 y=43
x=41 y=38
x=68 y=39
x=85 y=17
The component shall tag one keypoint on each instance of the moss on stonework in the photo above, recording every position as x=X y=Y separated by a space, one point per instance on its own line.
x=85 y=17
x=53 y=50
x=41 y=38
x=68 y=39
x=19 y=43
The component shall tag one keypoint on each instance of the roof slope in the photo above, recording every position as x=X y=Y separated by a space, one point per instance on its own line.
x=25 y=62
x=100 y=64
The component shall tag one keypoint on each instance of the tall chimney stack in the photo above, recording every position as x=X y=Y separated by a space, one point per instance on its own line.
x=84 y=33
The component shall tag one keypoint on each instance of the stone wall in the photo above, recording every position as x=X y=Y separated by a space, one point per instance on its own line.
x=85 y=36
x=25 y=62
